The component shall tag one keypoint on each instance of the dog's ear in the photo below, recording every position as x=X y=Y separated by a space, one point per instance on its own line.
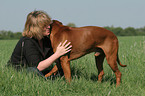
x=57 y=22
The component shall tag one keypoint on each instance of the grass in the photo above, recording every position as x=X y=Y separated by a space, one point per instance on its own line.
x=84 y=74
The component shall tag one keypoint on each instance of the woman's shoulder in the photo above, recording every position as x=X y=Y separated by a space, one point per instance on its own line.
x=24 y=38
x=29 y=42
x=27 y=39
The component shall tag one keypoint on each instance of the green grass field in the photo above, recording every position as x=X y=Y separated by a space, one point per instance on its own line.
x=84 y=74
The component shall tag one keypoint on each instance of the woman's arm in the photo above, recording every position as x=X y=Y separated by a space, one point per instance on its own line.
x=61 y=50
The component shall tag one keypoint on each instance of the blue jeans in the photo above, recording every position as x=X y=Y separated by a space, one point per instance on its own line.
x=35 y=71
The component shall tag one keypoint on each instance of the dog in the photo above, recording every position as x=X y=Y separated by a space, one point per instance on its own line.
x=85 y=40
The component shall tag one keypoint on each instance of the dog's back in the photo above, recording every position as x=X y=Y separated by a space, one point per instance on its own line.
x=83 y=39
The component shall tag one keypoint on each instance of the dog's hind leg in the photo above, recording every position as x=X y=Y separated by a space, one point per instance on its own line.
x=99 y=63
x=111 y=57
x=113 y=64
x=56 y=69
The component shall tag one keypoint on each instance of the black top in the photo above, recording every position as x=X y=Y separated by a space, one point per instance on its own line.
x=28 y=52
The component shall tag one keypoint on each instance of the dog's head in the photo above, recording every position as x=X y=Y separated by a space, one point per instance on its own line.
x=56 y=22
x=55 y=25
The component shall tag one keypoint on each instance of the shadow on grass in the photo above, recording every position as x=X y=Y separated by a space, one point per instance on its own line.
x=75 y=73
x=110 y=79
x=79 y=73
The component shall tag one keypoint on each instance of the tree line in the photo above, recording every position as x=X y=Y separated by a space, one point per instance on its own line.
x=129 y=31
x=118 y=31
x=10 y=35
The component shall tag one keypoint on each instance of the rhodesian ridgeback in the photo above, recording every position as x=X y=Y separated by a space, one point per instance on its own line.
x=85 y=40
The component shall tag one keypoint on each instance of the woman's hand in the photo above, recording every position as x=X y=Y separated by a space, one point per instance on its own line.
x=63 y=48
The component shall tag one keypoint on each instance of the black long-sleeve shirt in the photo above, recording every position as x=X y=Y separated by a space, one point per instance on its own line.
x=28 y=52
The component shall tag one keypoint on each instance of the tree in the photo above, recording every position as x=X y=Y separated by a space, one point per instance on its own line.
x=141 y=31
x=118 y=31
x=130 y=31
x=71 y=25
x=10 y=35
x=18 y=35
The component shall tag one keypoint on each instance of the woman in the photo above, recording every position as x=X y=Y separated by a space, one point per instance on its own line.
x=34 y=49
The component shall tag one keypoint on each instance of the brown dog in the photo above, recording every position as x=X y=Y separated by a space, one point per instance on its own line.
x=85 y=40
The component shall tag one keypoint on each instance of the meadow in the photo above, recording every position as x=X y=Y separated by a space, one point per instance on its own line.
x=84 y=74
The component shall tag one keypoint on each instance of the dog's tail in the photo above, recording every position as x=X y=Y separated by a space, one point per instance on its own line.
x=120 y=62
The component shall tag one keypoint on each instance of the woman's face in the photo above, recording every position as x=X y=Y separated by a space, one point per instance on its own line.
x=46 y=31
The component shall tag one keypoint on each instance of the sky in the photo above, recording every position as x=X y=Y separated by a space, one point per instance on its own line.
x=117 y=13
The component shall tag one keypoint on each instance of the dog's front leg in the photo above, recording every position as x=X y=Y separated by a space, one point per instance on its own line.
x=65 y=63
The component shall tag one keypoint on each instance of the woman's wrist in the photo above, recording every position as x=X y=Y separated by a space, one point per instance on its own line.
x=56 y=54
x=47 y=62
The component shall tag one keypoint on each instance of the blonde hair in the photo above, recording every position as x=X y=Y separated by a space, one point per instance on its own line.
x=35 y=23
